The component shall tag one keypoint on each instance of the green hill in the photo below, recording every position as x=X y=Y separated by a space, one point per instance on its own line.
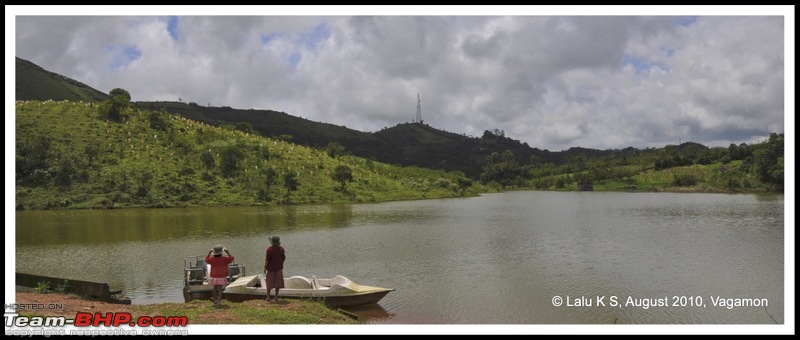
x=269 y=123
x=403 y=144
x=69 y=157
x=408 y=144
x=36 y=83
x=492 y=158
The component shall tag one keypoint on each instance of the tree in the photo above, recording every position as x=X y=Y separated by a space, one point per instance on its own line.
x=33 y=158
x=158 y=120
x=112 y=107
x=91 y=151
x=343 y=175
x=769 y=161
x=463 y=184
x=144 y=182
x=66 y=170
x=246 y=127
x=207 y=157
x=121 y=94
x=269 y=177
x=230 y=157
x=334 y=149
x=501 y=168
x=262 y=152
x=290 y=183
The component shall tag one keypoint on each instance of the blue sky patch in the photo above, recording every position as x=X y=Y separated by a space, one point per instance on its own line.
x=266 y=38
x=294 y=59
x=639 y=64
x=310 y=40
x=172 y=27
x=319 y=34
x=121 y=56
x=685 y=21
x=643 y=65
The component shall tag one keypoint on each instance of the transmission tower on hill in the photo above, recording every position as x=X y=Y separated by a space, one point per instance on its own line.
x=419 y=111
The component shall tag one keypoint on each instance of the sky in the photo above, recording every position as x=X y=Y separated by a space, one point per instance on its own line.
x=553 y=77
x=554 y=81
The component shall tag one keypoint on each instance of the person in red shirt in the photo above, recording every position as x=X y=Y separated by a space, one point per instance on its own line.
x=274 y=266
x=219 y=271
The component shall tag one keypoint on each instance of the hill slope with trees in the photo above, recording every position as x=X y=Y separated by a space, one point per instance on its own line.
x=492 y=159
x=73 y=154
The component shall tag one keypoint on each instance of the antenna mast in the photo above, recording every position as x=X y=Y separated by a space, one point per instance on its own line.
x=419 y=110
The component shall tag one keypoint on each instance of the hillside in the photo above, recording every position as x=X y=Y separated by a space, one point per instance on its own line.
x=269 y=123
x=408 y=144
x=491 y=159
x=403 y=144
x=69 y=157
x=36 y=83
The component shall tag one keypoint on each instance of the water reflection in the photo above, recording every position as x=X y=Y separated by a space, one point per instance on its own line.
x=113 y=226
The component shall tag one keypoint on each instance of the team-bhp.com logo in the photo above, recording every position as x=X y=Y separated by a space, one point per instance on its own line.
x=86 y=323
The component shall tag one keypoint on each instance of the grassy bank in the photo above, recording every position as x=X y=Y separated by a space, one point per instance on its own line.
x=197 y=312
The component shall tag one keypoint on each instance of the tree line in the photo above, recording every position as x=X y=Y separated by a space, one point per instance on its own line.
x=757 y=167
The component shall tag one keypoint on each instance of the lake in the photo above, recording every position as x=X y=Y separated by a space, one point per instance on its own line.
x=521 y=257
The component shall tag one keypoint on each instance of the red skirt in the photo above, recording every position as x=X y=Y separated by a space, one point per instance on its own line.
x=274 y=279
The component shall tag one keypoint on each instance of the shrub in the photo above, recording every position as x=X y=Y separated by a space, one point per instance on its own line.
x=684 y=180
x=42 y=287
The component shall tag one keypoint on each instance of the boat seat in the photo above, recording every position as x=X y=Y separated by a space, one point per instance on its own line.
x=234 y=272
x=298 y=282
x=197 y=274
x=316 y=284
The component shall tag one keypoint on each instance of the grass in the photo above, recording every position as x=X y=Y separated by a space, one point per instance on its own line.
x=255 y=312
x=249 y=312
x=42 y=287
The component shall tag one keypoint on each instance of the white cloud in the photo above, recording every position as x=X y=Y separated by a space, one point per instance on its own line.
x=551 y=81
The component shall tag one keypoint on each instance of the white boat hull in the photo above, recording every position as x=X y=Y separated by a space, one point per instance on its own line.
x=335 y=292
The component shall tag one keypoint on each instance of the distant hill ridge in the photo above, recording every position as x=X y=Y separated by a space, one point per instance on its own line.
x=404 y=144
x=36 y=83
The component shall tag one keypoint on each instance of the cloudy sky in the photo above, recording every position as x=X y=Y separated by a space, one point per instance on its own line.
x=549 y=79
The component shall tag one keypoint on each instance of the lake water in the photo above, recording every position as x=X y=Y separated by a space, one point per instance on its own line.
x=506 y=258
